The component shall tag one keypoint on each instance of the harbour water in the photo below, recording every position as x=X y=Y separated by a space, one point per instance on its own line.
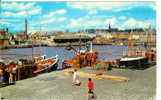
x=63 y=54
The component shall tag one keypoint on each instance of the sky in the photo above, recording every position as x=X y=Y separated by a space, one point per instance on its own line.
x=73 y=16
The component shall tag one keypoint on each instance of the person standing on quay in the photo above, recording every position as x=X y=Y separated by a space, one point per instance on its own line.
x=6 y=76
x=1 y=77
x=91 y=88
x=14 y=73
x=75 y=79
x=10 y=74
x=89 y=60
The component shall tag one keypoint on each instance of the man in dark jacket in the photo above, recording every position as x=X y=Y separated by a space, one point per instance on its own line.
x=6 y=76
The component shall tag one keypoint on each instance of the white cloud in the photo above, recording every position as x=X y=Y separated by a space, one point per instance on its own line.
x=62 y=19
x=87 y=5
x=92 y=12
x=121 y=9
x=21 y=13
x=7 y=14
x=10 y=14
x=85 y=22
x=80 y=19
x=74 y=23
x=9 y=20
x=51 y=14
x=153 y=6
x=132 y=23
x=110 y=21
x=4 y=22
x=120 y=28
x=114 y=6
x=122 y=17
x=77 y=22
x=48 y=21
x=144 y=24
x=16 y=6
x=17 y=9
x=62 y=11
x=87 y=17
x=34 y=11
x=92 y=23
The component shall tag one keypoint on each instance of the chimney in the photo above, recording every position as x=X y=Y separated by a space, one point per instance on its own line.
x=7 y=30
x=26 y=29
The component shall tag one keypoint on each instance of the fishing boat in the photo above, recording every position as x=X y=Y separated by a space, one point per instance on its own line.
x=48 y=65
x=133 y=61
x=138 y=60
x=67 y=63
x=40 y=59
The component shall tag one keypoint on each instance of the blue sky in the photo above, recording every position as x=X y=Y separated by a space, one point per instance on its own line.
x=60 y=16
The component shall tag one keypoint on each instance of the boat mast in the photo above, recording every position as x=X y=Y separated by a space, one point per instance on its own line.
x=131 y=43
x=80 y=42
x=32 y=47
x=149 y=44
x=40 y=42
x=149 y=38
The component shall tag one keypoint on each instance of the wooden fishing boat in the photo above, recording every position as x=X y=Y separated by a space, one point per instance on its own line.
x=36 y=59
x=40 y=59
x=48 y=65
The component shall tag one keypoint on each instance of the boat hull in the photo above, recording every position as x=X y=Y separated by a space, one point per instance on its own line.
x=138 y=62
x=66 y=64
x=48 y=68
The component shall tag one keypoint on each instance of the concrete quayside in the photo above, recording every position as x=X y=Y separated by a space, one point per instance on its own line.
x=58 y=86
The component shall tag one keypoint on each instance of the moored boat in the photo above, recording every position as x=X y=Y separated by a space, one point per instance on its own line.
x=40 y=59
x=67 y=63
x=48 y=65
x=136 y=62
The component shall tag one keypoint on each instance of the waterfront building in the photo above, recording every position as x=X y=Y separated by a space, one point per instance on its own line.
x=123 y=38
x=108 y=36
x=4 y=38
x=72 y=38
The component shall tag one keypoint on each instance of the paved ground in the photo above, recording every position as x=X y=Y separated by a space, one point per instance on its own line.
x=57 y=86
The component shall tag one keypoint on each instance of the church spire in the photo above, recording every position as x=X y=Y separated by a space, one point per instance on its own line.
x=109 y=27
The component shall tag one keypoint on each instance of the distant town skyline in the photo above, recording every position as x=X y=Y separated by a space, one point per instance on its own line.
x=74 y=16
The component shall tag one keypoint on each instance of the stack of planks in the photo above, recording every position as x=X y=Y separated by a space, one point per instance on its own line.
x=100 y=76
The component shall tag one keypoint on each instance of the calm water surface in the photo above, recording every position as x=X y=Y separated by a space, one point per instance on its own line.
x=63 y=54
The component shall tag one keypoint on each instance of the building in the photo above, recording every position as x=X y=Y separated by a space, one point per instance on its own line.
x=72 y=38
x=4 y=38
